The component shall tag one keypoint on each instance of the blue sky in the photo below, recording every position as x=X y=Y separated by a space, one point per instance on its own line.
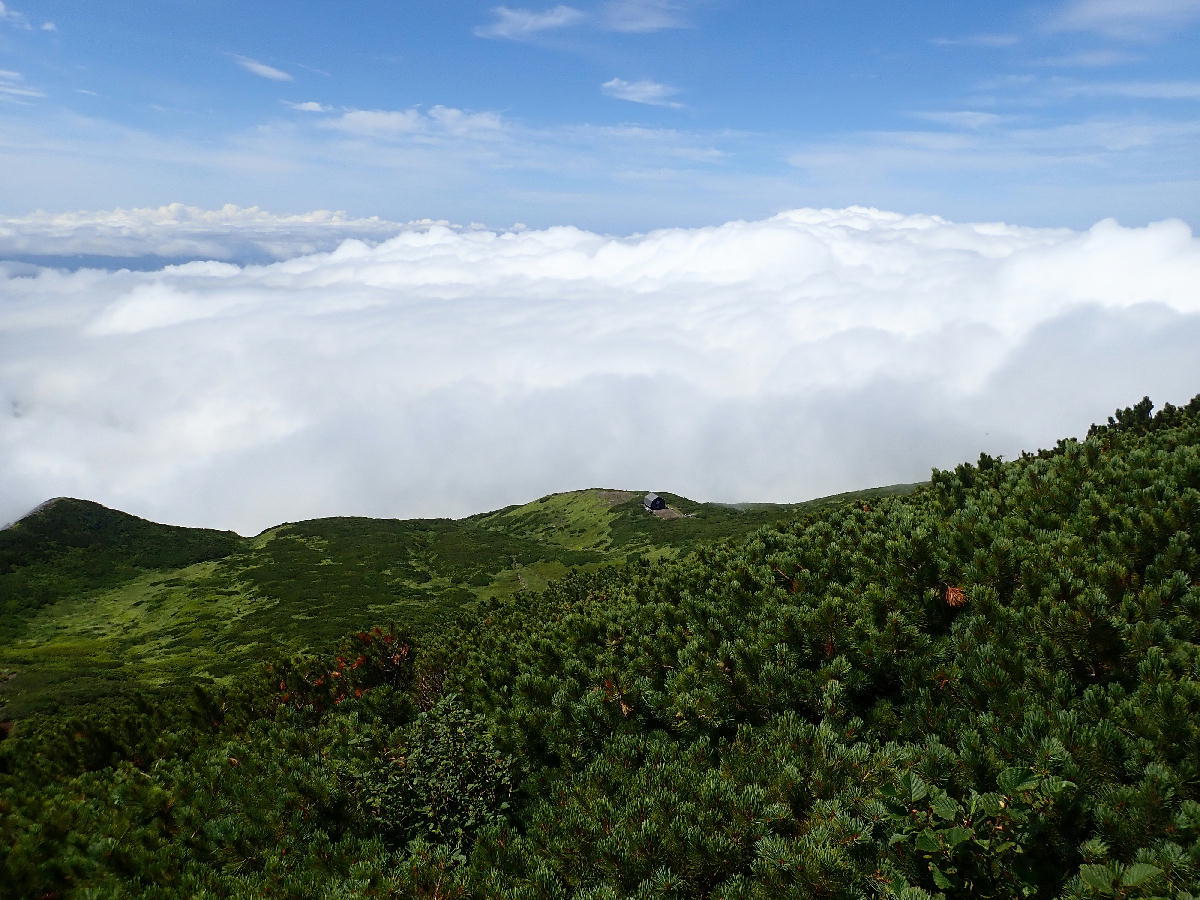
x=620 y=115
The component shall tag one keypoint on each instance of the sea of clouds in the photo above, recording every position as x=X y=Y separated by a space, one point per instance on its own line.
x=427 y=370
x=147 y=238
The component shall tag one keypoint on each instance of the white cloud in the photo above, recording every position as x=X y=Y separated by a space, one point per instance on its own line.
x=991 y=40
x=517 y=24
x=1089 y=59
x=444 y=120
x=1127 y=19
x=1137 y=90
x=651 y=93
x=964 y=118
x=12 y=17
x=632 y=16
x=446 y=371
x=14 y=89
x=1134 y=158
x=462 y=164
x=308 y=106
x=378 y=122
x=459 y=122
x=177 y=231
x=642 y=15
x=261 y=69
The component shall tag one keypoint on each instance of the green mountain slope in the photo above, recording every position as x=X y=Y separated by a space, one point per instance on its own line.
x=97 y=602
x=988 y=688
x=71 y=547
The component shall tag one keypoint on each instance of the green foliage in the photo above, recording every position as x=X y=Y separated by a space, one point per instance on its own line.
x=67 y=547
x=989 y=687
x=441 y=779
x=96 y=603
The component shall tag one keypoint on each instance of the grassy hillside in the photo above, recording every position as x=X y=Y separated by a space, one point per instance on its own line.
x=97 y=602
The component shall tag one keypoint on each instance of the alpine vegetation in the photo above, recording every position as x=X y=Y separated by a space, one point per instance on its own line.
x=988 y=687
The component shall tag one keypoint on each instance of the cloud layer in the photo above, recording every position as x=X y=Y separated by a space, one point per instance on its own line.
x=177 y=232
x=444 y=371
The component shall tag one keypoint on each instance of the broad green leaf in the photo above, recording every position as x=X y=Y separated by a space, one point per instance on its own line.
x=940 y=879
x=913 y=787
x=985 y=804
x=928 y=842
x=1015 y=780
x=1098 y=877
x=945 y=807
x=955 y=836
x=1139 y=873
x=1056 y=785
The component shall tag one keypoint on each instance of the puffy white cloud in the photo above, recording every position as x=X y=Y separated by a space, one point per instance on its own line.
x=261 y=69
x=651 y=93
x=517 y=24
x=445 y=371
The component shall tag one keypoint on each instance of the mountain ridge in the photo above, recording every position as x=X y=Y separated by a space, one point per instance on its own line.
x=96 y=600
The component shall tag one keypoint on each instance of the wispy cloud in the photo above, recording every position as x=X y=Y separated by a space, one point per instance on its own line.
x=519 y=24
x=466 y=164
x=1127 y=19
x=385 y=123
x=1134 y=90
x=14 y=89
x=261 y=69
x=307 y=106
x=1100 y=150
x=965 y=118
x=642 y=15
x=12 y=17
x=651 y=93
x=630 y=16
x=996 y=40
x=1089 y=59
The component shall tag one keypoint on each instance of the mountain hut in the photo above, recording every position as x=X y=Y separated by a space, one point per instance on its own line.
x=654 y=502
